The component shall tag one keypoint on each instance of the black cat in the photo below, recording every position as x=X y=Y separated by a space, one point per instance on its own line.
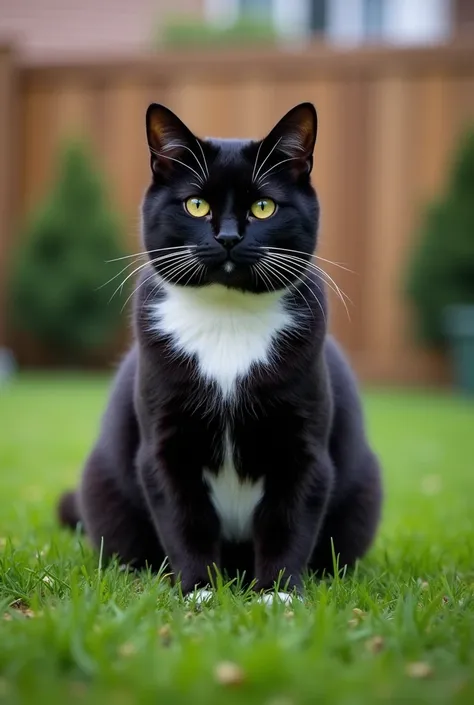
x=234 y=433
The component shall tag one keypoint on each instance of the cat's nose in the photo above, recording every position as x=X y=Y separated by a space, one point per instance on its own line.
x=228 y=238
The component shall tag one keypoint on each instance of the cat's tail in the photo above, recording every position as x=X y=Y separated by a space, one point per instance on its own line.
x=68 y=510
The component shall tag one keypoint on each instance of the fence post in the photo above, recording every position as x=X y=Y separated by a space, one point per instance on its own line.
x=8 y=170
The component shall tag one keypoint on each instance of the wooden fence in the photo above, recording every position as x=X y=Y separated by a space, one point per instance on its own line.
x=388 y=120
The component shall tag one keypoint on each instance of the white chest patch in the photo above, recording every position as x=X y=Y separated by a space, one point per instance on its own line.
x=226 y=330
x=234 y=500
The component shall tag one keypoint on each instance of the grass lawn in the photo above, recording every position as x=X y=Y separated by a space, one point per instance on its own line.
x=73 y=633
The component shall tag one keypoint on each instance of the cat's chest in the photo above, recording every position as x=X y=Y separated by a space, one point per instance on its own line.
x=225 y=331
x=235 y=498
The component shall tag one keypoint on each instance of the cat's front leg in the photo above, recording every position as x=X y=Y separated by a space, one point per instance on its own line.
x=186 y=523
x=287 y=524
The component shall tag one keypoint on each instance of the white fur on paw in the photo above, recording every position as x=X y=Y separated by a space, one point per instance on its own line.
x=269 y=598
x=200 y=596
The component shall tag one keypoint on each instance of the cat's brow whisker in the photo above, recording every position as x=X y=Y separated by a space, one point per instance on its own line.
x=256 y=161
x=149 y=252
x=172 y=145
x=203 y=156
x=178 y=161
x=267 y=157
x=292 y=272
x=268 y=171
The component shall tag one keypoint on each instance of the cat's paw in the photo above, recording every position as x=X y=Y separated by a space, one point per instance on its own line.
x=199 y=597
x=268 y=598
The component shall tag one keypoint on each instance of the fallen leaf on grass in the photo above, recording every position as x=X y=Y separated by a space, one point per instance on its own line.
x=229 y=674
x=23 y=608
x=375 y=644
x=358 y=613
x=419 y=669
x=127 y=650
x=164 y=633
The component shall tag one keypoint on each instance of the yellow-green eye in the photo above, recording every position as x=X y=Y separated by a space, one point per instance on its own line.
x=197 y=207
x=263 y=208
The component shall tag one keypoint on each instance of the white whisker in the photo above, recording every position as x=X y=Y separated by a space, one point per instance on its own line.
x=326 y=277
x=283 y=161
x=318 y=269
x=294 y=261
x=300 y=252
x=173 y=269
x=178 y=161
x=171 y=145
x=130 y=264
x=292 y=273
x=183 y=269
x=149 y=252
x=266 y=280
x=145 y=264
x=203 y=156
x=267 y=157
x=139 y=286
x=256 y=161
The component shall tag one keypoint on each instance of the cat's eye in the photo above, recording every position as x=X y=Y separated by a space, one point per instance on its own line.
x=263 y=208
x=197 y=207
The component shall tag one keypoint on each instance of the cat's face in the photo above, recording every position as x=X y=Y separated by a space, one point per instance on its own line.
x=233 y=212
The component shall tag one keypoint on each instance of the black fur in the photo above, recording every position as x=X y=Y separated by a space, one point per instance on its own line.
x=297 y=423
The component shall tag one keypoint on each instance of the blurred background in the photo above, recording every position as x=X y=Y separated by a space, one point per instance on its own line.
x=393 y=83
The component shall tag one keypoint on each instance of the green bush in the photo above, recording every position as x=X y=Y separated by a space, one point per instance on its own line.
x=182 y=33
x=57 y=293
x=441 y=269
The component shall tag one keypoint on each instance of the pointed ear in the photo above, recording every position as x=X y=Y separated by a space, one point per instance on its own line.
x=293 y=138
x=168 y=139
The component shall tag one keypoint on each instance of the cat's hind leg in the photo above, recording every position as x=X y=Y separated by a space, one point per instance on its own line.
x=351 y=524
x=111 y=521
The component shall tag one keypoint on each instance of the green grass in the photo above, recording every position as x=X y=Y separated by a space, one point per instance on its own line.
x=107 y=636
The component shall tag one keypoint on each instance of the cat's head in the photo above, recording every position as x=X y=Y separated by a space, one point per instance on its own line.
x=241 y=213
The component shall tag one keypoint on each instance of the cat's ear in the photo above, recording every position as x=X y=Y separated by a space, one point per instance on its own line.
x=168 y=139
x=293 y=138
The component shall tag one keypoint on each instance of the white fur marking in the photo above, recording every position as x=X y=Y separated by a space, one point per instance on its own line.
x=200 y=596
x=234 y=499
x=269 y=598
x=227 y=330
